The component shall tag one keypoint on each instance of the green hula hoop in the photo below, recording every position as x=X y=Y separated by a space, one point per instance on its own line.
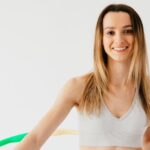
x=19 y=137
x=12 y=139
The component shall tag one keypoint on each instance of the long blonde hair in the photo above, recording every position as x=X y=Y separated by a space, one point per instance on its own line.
x=97 y=81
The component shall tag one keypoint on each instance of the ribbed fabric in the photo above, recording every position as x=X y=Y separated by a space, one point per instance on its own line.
x=108 y=130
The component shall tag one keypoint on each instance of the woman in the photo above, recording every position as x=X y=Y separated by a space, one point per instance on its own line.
x=113 y=100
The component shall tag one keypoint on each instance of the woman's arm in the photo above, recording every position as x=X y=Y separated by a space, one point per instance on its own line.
x=67 y=98
x=146 y=136
x=146 y=139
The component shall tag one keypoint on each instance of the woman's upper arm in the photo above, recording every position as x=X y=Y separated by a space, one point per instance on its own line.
x=65 y=100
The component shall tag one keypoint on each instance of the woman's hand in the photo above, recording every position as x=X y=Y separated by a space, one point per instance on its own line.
x=146 y=139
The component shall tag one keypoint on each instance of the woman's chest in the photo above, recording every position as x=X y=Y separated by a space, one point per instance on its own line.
x=130 y=122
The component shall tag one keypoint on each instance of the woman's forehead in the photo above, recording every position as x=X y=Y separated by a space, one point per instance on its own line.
x=116 y=19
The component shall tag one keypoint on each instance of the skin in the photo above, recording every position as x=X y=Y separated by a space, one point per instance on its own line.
x=118 y=34
x=68 y=97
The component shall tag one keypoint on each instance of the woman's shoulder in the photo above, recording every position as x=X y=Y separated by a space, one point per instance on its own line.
x=79 y=81
x=77 y=85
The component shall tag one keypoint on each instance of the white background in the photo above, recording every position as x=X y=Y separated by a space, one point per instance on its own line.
x=43 y=43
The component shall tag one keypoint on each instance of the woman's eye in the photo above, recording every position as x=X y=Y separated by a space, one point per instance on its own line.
x=110 y=33
x=128 y=31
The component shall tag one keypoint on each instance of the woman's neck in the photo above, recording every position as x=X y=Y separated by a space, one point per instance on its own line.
x=118 y=73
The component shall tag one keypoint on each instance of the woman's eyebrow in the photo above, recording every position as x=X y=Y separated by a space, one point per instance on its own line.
x=125 y=26
x=109 y=28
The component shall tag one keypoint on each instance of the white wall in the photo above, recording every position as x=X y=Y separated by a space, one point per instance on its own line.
x=43 y=43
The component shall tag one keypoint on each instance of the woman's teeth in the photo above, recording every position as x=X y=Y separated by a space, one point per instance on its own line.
x=120 y=48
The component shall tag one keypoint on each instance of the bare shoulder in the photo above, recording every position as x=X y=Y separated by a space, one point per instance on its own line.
x=74 y=88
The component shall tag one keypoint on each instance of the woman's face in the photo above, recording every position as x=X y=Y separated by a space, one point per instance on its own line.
x=118 y=39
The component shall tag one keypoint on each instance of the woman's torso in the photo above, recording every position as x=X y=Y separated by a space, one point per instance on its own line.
x=116 y=107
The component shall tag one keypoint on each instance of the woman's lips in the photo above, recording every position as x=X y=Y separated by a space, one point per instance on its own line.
x=120 y=49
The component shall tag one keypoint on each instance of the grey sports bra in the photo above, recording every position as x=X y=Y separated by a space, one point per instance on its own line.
x=107 y=130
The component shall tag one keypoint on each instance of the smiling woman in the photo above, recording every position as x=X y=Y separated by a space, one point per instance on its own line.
x=118 y=39
x=113 y=101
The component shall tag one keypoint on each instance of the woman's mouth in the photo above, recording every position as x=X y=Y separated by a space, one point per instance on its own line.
x=120 y=49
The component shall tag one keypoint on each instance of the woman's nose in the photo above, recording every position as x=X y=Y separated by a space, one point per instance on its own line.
x=119 y=38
